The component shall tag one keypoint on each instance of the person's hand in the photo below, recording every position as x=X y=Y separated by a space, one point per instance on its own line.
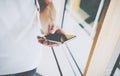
x=43 y=41
x=53 y=28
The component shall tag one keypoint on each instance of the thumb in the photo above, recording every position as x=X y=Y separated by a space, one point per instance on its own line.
x=51 y=28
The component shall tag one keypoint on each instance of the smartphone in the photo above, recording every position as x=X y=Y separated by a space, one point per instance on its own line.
x=59 y=38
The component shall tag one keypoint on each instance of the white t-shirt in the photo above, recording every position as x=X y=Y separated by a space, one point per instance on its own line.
x=19 y=27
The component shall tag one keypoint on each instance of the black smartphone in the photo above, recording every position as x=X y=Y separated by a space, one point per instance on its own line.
x=59 y=38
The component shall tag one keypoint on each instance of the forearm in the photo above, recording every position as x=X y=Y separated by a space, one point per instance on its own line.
x=47 y=15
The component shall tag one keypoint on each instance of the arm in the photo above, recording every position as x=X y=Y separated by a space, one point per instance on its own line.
x=47 y=18
x=47 y=15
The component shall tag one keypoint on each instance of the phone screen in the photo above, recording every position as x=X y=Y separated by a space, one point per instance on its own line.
x=59 y=38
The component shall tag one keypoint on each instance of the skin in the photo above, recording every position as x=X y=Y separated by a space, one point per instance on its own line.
x=47 y=17
x=47 y=43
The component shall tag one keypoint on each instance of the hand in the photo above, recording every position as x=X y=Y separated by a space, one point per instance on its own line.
x=52 y=29
x=43 y=41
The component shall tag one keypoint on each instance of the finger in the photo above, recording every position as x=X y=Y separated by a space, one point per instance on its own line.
x=51 y=28
x=47 y=43
x=38 y=37
x=60 y=31
x=41 y=41
x=50 y=44
x=44 y=42
x=53 y=44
